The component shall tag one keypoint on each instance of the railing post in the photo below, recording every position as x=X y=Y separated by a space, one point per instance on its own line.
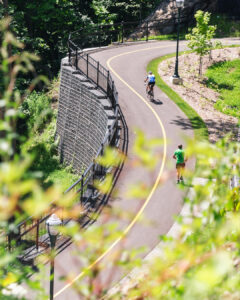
x=108 y=76
x=122 y=30
x=101 y=153
x=81 y=195
x=93 y=177
x=112 y=91
x=147 y=33
x=76 y=59
x=116 y=101
x=87 y=65
x=93 y=171
x=69 y=54
x=97 y=74
x=37 y=235
x=109 y=135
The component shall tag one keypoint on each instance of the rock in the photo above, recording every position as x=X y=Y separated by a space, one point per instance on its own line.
x=164 y=19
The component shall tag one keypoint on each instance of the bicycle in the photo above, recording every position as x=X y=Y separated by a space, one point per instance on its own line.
x=150 y=93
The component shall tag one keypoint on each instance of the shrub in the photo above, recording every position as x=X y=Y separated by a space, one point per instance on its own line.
x=37 y=110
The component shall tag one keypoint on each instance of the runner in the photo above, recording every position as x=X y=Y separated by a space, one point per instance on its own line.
x=180 y=164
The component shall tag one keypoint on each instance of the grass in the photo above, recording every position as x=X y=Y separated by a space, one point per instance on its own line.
x=165 y=37
x=199 y=127
x=224 y=77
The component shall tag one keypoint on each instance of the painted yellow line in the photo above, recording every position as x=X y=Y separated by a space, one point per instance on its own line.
x=125 y=232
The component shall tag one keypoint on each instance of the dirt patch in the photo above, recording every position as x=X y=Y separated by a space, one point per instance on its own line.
x=195 y=92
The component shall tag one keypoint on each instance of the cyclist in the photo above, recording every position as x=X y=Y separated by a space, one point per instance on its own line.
x=180 y=164
x=150 y=82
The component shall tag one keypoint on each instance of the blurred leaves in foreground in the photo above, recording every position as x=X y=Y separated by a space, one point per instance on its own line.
x=202 y=262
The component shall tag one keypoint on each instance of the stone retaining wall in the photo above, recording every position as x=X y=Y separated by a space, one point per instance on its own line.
x=82 y=120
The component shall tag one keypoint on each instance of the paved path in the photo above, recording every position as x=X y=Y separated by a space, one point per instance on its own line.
x=128 y=67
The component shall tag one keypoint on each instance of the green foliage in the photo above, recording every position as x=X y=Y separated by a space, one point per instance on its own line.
x=37 y=110
x=201 y=35
x=44 y=26
x=202 y=261
x=42 y=144
x=226 y=27
x=101 y=9
x=21 y=194
x=224 y=78
x=131 y=10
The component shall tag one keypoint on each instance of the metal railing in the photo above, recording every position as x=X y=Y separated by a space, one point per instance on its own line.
x=103 y=35
x=31 y=233
x=94 y=72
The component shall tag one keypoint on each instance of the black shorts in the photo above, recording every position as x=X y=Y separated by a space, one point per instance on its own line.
x=180 y=165
x=151 y=84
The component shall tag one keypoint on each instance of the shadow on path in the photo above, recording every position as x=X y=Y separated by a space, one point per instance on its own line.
x=215 y=129
x=157 y=101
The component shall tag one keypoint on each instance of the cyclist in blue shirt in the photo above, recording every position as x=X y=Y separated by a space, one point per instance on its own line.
x=150 y=81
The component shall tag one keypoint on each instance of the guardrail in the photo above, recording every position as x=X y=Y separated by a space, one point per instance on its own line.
x=103 y=35
x=93 y=70
x=31 y=233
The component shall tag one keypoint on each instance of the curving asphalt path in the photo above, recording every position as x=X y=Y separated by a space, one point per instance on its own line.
x=161 y=119
x=158 y=119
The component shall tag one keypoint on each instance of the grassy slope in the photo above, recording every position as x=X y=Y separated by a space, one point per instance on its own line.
x=199 y=127
x=224 y=78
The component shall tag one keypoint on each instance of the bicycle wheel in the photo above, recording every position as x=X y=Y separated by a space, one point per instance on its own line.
x=151 y=95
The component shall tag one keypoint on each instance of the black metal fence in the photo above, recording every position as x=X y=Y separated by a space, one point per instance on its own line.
x=94 y=71
x=103 y=35
x=31 y=233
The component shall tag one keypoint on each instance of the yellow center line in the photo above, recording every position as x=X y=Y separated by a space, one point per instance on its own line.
x=125 y=232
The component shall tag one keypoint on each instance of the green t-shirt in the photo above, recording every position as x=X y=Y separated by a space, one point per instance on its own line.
x=179 y=153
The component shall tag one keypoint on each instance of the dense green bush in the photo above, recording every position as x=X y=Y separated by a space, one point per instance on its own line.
x=40 y=120
x=37 y=111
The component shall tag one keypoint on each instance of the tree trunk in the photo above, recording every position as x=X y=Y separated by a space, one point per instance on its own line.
x=200 y=65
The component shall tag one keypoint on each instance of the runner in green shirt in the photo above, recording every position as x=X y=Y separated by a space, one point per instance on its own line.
x=180 y=162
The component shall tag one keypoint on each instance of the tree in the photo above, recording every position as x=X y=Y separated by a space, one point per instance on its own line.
x=44 y=27
x=201 y=35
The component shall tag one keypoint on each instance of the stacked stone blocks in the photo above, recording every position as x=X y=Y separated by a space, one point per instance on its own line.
x=83 y=119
